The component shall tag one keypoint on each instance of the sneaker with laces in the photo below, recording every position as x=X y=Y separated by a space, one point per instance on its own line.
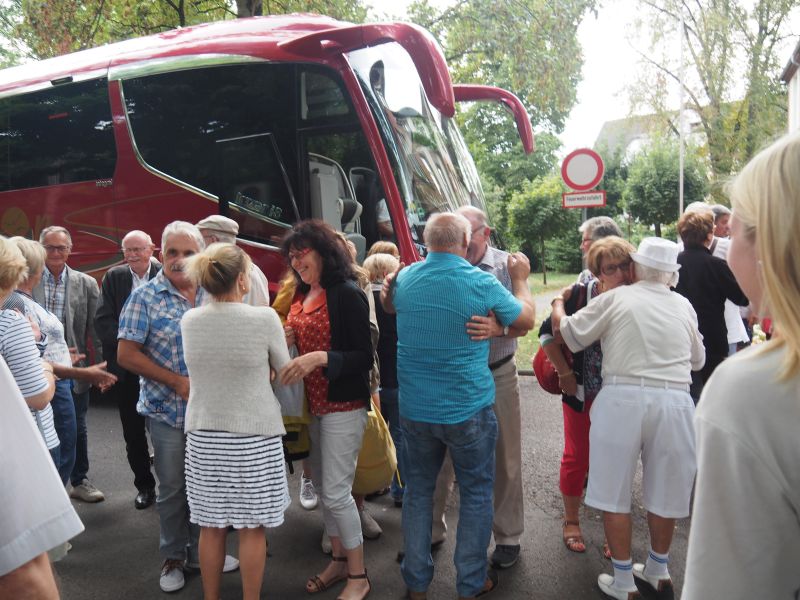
x=172 y=578
x=231 y=564
x=369 y=526
x=86 y=491
x=606 y=584
x=505 y=556
x=308 y=495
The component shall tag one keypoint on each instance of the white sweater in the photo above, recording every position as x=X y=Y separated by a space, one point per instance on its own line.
x=229 y=348
x=745 y=536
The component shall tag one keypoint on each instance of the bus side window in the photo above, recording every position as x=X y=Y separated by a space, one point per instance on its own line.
x=55 y=136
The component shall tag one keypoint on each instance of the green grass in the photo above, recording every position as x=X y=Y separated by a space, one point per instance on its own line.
x=528 y=345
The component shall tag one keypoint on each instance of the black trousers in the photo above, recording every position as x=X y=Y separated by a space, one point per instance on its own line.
x=126 y=393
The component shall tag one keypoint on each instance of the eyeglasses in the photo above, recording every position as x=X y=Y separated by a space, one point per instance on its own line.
x=298 y=254
x=59 y=249
x=586 y=241
x=137 y=250
x=609 y=270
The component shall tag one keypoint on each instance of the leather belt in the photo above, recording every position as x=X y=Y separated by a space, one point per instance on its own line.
x=499 y=363
x=644 y=382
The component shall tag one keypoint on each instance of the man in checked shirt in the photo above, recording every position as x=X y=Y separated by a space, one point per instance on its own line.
x=151 y=345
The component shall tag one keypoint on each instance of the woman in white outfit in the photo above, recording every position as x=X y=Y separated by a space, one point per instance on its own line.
x=745 y=535
x=235 y=471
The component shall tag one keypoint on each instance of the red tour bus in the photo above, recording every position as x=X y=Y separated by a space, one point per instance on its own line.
x=266 y=120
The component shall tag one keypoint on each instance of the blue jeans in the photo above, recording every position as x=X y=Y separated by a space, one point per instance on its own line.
x=81 y=467
x=64 y=421
x=471 y=444
x=177 y=535
x=390 y=409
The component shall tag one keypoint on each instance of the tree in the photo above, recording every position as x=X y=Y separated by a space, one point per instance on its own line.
x=535 y=214
x=732 y=72
x=651 y=192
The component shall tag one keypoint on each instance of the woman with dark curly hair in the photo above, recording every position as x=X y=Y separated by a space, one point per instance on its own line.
x=329 y=322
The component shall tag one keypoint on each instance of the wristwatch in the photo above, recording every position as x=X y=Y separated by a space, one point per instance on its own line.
x=505 y=330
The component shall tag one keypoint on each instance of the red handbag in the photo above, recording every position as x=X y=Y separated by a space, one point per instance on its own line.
x=546 y=373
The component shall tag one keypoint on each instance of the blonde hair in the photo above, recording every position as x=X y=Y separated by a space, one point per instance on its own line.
x=379 y=264
x=610 y=247
x=384 y=247
x=765 y=197
x=13 y=267
x=217 y=268
x=34 y=253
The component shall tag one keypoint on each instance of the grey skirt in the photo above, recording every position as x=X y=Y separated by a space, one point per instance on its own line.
x=236 y=480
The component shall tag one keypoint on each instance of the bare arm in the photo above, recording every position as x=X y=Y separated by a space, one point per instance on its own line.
x=42 y=399
x=131 y=357
x=566 y=376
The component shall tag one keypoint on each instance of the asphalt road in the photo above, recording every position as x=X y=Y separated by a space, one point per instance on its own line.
x=117 y=556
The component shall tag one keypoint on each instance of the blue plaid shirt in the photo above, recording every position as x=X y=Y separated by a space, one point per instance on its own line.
x=152 y=317
x=55 y=289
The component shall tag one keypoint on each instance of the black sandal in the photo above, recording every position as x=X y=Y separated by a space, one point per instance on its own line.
x=361 y=576
x=321 y=586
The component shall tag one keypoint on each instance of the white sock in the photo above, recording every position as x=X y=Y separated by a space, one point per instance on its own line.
x=656 y=565
x=623 y=574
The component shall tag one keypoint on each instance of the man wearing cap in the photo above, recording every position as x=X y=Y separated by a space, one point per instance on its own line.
x=651 y=344
x=216 y=228
x=118 y=282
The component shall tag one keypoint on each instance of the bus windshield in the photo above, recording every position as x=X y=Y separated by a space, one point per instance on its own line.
x=433 y=168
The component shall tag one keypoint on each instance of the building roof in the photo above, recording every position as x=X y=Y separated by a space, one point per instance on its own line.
x=791 y=67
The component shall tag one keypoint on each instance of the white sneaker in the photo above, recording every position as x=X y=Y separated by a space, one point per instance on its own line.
x=369 y=526
x=59 y=552
x=87 y=492
x=606 y=584
x=326 y=543
x=308 y=495
x=172 y=578
x=660 y=586
x=231 y=564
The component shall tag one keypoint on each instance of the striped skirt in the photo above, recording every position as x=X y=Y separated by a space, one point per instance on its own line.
x=236 y=480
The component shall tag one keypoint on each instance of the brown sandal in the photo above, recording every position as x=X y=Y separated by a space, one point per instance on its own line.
x=361 y=576
x=315 y=584
x=574 y=543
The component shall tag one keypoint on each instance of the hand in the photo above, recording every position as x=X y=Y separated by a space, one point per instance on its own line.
x=483 y=328
x=99 y=377
x=181 y=386
x=388 y=281
x=568 y=384
x=290 y=337
x=76 y=356
x=566 y=293
x=519 y=267
x=298 y=368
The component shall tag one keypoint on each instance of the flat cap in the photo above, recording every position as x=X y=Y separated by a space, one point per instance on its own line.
x=219 y=223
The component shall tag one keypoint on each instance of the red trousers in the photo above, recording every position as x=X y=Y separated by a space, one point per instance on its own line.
x=575 y=460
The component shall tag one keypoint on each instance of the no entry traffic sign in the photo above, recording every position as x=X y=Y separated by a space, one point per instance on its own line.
x=582 y=169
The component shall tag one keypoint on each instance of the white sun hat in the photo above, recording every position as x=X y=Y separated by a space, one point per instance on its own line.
x=657 y=253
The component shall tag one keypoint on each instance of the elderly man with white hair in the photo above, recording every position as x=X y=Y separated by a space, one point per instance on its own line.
x=217 y=228
x=151 y=345
x=447 y=392
x=118 y=282
x=651 y=343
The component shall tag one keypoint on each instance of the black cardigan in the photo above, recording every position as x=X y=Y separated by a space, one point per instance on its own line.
x=350 y=356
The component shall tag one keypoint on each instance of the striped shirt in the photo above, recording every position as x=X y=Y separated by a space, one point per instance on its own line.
x=55 y=292
x=444 y=376
x=152 y=317
x=495 y=261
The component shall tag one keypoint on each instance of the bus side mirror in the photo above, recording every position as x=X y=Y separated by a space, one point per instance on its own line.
x=482 y=93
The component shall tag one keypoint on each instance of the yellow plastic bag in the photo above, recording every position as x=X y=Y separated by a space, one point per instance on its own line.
x=377 y=461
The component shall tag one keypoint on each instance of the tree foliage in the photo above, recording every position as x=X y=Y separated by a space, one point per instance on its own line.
x=651 y=192
x=535 y=215
x=732 y=71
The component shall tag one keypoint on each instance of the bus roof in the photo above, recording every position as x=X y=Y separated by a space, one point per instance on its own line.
x=251 y=36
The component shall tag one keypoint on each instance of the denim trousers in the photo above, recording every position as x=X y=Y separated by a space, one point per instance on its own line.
x=81 y=467
x=390 y=409
x=177 y=535
x=335 y=443
x=64 y=421
x=471 y=444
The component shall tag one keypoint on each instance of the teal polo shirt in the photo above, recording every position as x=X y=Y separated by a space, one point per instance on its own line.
x=443 y=375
